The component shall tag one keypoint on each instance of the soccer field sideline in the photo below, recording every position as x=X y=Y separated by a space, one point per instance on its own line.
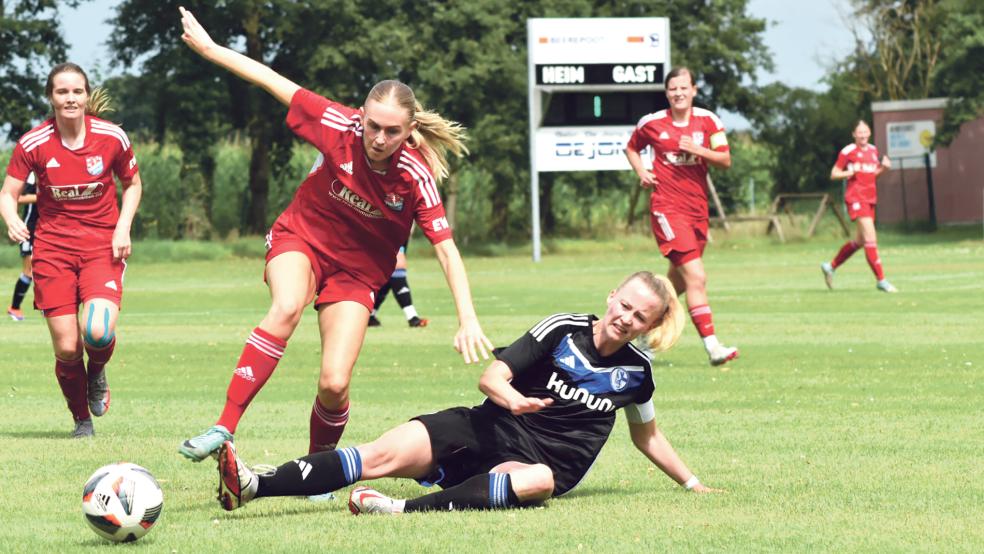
x=851 y=422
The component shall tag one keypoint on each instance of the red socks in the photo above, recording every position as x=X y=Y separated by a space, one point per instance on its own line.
x=74 y=385
x=849 y=248
x=98 y=358
x=701 y=317
x=871 y=253
x=256 y=364
x=327 y=426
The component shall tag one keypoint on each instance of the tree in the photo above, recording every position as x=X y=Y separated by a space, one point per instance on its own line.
x=959 y=75
x=32 y=43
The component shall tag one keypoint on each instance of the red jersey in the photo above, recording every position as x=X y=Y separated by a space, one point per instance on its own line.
x=76 y=192
x=681 y=177
x=355 y=216
x=864 y=161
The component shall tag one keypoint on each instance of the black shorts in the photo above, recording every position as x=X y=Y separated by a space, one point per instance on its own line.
x=27 y=247
x=469 y=441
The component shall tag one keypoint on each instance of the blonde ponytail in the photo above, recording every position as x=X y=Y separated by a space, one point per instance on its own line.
x=99 y=103
x=435 y=137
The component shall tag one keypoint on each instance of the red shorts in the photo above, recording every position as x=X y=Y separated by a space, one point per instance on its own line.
x=860 y=209
x=680 y=238
x=63 y=280
x=332 y=283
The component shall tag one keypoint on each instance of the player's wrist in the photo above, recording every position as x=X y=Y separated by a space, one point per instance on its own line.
x=689 y=484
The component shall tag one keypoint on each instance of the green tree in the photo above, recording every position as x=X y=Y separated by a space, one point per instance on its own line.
x=32 y=43
x=961 y=74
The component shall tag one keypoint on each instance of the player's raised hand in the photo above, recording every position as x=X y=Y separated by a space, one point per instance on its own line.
x=17 y=231
x=194 y=34
x=470 y=341
x=886 y=162
x=527 y=405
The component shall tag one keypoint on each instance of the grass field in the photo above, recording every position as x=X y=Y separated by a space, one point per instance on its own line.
x=852 y=422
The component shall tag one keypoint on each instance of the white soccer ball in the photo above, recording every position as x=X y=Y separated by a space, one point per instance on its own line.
x=121 y=502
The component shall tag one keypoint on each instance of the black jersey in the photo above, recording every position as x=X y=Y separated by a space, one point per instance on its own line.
x=557 y=359
x=29 y=213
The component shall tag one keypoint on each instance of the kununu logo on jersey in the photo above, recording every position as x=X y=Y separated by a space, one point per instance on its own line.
x=94 y=165
x=76 y=192
x=394 y=201
x=348 y=196
x=578 y=394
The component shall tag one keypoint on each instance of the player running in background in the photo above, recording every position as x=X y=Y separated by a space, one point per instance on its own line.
x=552 y=397
x=29 y=215
x=684 y=140
x=400 y=288
x=858 y=163
x=82 y=238
x=336 y=243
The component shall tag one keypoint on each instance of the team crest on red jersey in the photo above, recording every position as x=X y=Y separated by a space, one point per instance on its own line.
x=699 y=138
x=394 y=202
x=94 y=165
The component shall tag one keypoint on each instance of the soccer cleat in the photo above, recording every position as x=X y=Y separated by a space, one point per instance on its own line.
x=364 y=500
x=418 y=322
x=373 y=322
x=828 y=274
x=15 y=314
x=237 y=482
x=721 y=354
x=198 y=448
x=98 y=394
x=83 y=429
x=885 y=286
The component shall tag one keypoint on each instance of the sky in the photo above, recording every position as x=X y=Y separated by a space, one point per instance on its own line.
x=805 y=37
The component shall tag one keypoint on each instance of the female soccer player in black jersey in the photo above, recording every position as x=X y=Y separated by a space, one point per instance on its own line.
x=551 y=404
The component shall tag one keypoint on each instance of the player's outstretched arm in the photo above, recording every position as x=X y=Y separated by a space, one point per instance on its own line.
x=494 y=383
x=470 y=341
x=16 y=229
x=248 y=69
x=650 y=441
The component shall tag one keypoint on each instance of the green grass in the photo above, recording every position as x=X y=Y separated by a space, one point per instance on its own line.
x=852 y=422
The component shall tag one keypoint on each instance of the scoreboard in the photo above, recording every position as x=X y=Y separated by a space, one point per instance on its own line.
x=590 y=80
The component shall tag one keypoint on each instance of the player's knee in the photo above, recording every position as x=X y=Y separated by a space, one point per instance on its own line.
x=538 y=484
x=67 y=348
x=286 y=312
x=97 y=337
x=334 y=385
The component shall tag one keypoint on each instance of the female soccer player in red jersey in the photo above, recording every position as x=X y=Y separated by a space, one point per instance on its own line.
x=858 y=163
x=684 y=140
x=82 y=238
x=337 y=241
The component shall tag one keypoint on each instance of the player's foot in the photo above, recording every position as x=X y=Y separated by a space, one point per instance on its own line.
x=364 y=500
x=418 y=322
x=885 y=286
x=721 y=354
x=237 y=482
x=373 y=322
x=83 y=429
x=98 y=394
x=828 y=274
x=207 y=444
x=15 y=314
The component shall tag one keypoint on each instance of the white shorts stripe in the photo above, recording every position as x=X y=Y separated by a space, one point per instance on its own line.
x=664 y=225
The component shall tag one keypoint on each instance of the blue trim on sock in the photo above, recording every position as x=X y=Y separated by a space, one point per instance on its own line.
x=399 y=273
x=499 y=490
x=351 y=464
x=25 y=279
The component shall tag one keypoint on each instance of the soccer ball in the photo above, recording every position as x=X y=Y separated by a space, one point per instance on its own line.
x=122 y=501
